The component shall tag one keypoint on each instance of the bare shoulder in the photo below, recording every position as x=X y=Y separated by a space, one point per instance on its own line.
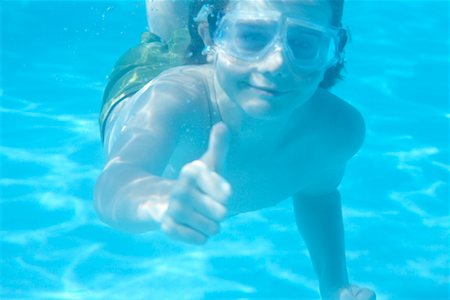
x=182 y=82
x=343 y=126
x=340 y=134
x=175 y=96
x=157 y=117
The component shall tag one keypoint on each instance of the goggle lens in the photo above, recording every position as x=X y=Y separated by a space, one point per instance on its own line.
x=310 y=47
x=246 y=39
x=251 y=39
x=252 y=36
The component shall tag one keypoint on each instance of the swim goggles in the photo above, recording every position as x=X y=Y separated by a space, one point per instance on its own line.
x=251 y=36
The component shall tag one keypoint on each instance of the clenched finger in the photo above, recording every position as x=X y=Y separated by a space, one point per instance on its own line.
x=196 y=221
x=211 y=183
x=207 y=206
x=181 y=232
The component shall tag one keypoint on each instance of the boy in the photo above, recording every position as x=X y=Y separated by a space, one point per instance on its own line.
x=245 y=131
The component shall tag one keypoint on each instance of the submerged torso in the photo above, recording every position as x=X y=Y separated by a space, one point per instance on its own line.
x=261 y=172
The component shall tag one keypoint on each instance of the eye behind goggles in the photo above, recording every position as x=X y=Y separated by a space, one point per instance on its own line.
x=307 y=45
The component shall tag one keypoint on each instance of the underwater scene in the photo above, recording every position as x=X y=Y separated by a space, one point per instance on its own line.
x=56 y=57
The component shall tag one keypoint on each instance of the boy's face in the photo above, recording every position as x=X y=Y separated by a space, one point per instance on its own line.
x=272 y=85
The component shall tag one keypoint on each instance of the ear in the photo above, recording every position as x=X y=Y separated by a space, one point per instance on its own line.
x=344 y=39
x=203 y=31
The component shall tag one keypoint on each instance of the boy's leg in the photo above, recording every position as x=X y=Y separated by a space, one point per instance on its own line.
x=166 y=16
x=140 y=65
x=161 y=48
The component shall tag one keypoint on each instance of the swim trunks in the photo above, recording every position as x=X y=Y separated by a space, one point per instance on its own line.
x=140 y=65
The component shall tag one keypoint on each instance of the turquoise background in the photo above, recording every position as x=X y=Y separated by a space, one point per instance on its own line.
x=55 y=58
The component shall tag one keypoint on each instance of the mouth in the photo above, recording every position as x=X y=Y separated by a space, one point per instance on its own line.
x=267 y=90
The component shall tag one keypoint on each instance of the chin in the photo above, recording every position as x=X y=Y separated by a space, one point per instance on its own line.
x=271 y=109
x=263 y=110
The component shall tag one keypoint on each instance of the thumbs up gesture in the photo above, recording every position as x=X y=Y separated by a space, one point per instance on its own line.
x=197 y=203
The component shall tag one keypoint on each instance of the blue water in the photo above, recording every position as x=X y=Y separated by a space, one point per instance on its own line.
x=55 y=57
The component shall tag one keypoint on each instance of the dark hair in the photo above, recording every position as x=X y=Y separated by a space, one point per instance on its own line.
x=194 y=50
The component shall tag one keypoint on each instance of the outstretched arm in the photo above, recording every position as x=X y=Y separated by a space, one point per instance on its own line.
x=131 y=193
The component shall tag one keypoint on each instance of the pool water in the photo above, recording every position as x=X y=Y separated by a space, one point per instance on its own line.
x=55 y=58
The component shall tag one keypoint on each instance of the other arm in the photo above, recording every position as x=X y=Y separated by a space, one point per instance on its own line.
x=319 y=220
x=317 y=207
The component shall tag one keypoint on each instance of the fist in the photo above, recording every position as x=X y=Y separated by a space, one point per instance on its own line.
x=197 y=203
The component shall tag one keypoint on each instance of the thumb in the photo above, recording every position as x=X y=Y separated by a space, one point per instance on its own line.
x=219 y=144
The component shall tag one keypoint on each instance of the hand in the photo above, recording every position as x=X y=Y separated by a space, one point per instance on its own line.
x=197 y=201
x=354 y=292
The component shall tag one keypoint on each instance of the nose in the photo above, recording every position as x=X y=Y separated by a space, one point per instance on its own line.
x=274 y=62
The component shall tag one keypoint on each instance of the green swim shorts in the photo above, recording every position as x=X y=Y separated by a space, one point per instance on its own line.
x=139 y=65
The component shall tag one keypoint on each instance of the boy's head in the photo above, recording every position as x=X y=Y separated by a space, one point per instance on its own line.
x=218 y=8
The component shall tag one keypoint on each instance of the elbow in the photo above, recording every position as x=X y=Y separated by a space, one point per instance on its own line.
x=102 y=203
x=115 y=212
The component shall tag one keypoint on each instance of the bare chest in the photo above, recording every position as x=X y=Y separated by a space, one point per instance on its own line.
x=259 y=176
x=262 y=178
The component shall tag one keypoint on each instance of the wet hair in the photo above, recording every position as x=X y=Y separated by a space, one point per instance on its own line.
x=194 y=51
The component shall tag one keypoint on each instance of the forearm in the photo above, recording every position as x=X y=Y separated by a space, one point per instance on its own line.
x=131 y=199
x=320 y=222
